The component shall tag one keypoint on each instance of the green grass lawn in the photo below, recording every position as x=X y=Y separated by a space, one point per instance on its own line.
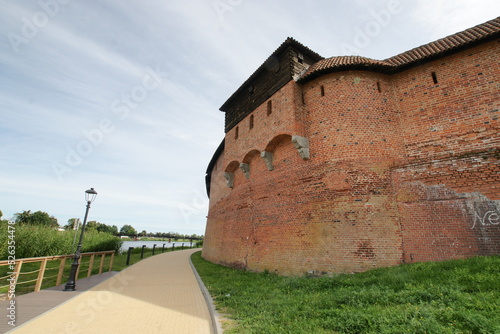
x=461 y=296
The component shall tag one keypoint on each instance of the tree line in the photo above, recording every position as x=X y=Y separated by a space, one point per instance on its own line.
x=40 y=218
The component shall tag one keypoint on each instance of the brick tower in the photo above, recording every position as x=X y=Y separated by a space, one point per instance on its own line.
x=348 y=163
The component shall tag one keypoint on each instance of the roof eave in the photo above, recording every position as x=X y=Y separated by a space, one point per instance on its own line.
x=288 y=42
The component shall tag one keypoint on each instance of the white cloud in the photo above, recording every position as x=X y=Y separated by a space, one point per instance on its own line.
x=149 y=169
x=440 y=18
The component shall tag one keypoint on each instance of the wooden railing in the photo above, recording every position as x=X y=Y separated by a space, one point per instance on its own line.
x=14 y=271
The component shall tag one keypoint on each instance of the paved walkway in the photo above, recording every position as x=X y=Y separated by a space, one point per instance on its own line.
x=31 y=305
x=159 y=294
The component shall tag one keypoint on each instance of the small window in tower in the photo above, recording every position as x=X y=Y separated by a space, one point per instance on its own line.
x=250 y=90
x=322 y=90
x=378 y=87
x=269 y=107
x=434 y=77
x=300 y=58
x=251 y=122
x=236 y=132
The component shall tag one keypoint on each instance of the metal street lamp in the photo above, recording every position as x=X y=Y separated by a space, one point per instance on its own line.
x=70 y=285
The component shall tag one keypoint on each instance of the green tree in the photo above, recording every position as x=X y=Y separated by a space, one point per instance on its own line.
x=95 y=226
x=107 y=228
x=114 y=229
x=71 y=223
x=128 y=230
x=91 y=225
x=36 y=218
x=23 y=217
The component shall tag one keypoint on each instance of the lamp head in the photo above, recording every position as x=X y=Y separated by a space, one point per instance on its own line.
x=90 y=195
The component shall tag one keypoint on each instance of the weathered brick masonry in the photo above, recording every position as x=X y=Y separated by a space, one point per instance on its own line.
x=348 y=163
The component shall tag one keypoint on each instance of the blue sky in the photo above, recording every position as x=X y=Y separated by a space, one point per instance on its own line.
x=124 y=96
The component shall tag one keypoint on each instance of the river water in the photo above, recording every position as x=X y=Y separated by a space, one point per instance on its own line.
x=149 y=244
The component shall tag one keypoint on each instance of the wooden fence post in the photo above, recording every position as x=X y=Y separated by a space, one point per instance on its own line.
x=17 y=270
x=111 y=261
x=91 y=263
x=41 y=273
x=103 y=255
x=61 y=271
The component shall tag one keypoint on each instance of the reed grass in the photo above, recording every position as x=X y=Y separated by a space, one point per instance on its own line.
x=37 y=241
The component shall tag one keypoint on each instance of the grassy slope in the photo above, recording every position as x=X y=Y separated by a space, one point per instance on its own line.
x=461 y=296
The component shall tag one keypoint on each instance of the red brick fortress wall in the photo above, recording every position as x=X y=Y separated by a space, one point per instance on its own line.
x=448 y=192
x=356 y=169
x=331 y=212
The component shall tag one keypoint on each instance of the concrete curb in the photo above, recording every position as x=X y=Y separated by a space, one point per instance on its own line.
x=214 y=315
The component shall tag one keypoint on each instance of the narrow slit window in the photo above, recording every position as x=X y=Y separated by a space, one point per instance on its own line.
x=322 y=90
x=236 y=132
x=251 y=122
x=269 y=107
x=378 y=87
x=434 y=77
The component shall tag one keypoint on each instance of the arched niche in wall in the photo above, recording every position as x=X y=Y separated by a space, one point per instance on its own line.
x=245 y=165
x=271 y=146
x=268 y=153
x=229 y=173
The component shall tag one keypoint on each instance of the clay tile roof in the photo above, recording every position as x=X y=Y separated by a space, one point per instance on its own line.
x=481 y=33
x=456 y=42
x=341 y=63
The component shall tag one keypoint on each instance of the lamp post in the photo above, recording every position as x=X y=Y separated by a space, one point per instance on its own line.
x=90 y=196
